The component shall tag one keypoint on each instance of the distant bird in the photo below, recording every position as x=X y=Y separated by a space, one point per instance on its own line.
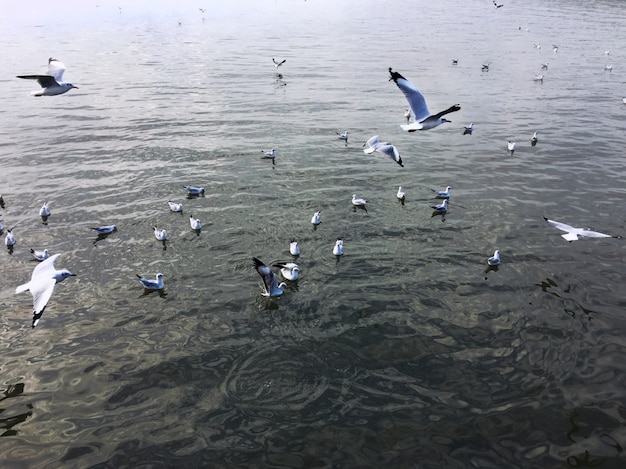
x=455 y=61
x=511 y=146
x=9 y=239
x=495 y=259
x=105 y=229
x=41 y=285
x=607 y=52
x=195 y=223
x=608 y=68
x=572 y=233
x=624 y=100
x=271 y=287
x=445 y=194
x=316 y=220
x=417 y=102
x=192 y=190
x=160 y=235
x=52 y=83
x=386 y=148
x=538 y=78
x=496 y=5
x=544 y=66
x=555 y=48
x=407 y=115
x=485 y=68
x=534 y=139
x=174 y=207
x=150 y=284
x=358 y=202
x=202 y=9
x=44 y=211
x=442 y=207
x=40 y=255
x=271 y=154
x=537 y=46
x=289 y=270
x=468 y=129
x=278 y=64
x=344 y=136
x=338 y=248
x=400 y=194
x=294 y=249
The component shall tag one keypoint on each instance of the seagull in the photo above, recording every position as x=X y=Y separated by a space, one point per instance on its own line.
x=52 y=83
x=468 y=129
x=271 y=154
x=407 y=115
x=485 y=68
x=294 y=249
x=343 y=136
x=9 y=239
x=495 y=259
x=195 y=223
x=202 y=9
x=40 y=255
x=289 y=270
x=174 y=207
x=271 y=287
x=107 y=229
x=418 y=106
x=608 y=67
x=161 y=235
x=316 y=220
x=607 y=52
x=278 y=64
x=149 y=284
x=455 y=61
x=358 y=202
x=511 y=146
x=496 y=5
x=400 y=193
x=534 y=139
x=42 y=283
x=442 y=194
x=386 y=148
x=338 y=248
x=572 y=233
x=555 y=48
x=544 y=66
x=624 y=100
x=538 y=78
x=44 y=211
x=191 y=190
x=442 y=207
x=537 y=46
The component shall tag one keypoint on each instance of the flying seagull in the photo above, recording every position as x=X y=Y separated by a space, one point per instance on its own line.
x=271 y=287
x=386 y=148
x=52 y=83
x=572 y=233
x=423 y=119
x=278 y=64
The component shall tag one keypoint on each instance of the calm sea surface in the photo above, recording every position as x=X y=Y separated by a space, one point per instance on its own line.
x=405 y=352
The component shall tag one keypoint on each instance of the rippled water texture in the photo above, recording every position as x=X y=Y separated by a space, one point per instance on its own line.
x=405 y=352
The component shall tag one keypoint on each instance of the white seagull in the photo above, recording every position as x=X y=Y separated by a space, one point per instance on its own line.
x=338 y=248
x=538 y=78
x=278 y=64
x=195 y=223
x=572 y=233
x=445 y=194
x=407 y=115
x=442 y=207
x=191 y=190
x=42 y=283
x=495 y=259
x=386 y=148
x=52 y=83
x=40 y=255
x=9 y=239
x=544 y=66
x=107 y=229
x=534 y=139
x=44 y=211
x=174 y=207
x=161 y=235
x=294 y=249
x=468 y=129
x=150 y=284
x=608 y=67
x=357 y=202
x=344 y=136
x=485 y=68
x=400 y=193
x=511 y=146
x=423 y=119
x=271 y=287
x=316 y=219
x=289 y=270
x=271 y=154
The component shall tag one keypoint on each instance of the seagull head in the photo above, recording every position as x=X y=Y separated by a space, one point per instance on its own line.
x=63 y=274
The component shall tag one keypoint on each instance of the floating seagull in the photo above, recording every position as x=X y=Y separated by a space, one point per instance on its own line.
x=407 y=115
x=191 y=190
x=555 y=48
x=338 y=248
x=271 y=287
x=418 y=106
x=442 y=207
x=174 y=207
x=511 y=146
x=269 y=155
x=485 y=68
x=445 y=194
x=161 y=235
x=195 y=223
x=343 y=136
x=202 y=9
x=42 y=283
x=607 y=52
x=386 y=148
x=537 y=46
x=294 y=249
x=107 y=229
x=455 y=61
x=358 y=202
x=150 y=284
x=44 y=211
x=572 y=233
x=496 y=5
x=534 y=139
x=400 y=193
x=608 y=67
x=52 y=83
x=468 y=129
x=544 y=66
x=9 y=239
x=538 y=78
x=278 y=64
x=40 y=255
x=289 y=270
x=495 y=259
x=316 y=220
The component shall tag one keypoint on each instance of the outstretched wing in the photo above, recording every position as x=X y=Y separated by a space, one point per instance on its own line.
x=561 y=226
x=371 y=144
x=44 y=81
x=269 y=278
x=412 y=94
x=594 y=234
x=454 y=108
x=56 y=69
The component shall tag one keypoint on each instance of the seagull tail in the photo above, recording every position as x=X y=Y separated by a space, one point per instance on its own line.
x=411 y=127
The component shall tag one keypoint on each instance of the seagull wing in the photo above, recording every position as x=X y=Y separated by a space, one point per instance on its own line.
x=371 y=144
x=41 y=290
x=269 y=277
x=56 y=69
x=594 y=234
x=45 y=269
x=45 y=81
x=391 y=151
x=454 y=108
x=561 y=226
x=413 y=96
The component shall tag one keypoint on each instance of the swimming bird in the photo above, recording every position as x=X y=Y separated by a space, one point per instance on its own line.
x=195 y=223
x=495 y=259
x=278 y=64
x=417 y=102
x=9 y=239
x=445 y=194
x=106 y=229
x=44 y=211
x=294 y=249
x=455 y=61
x=538 y=78
x=52 y=83
x=511 y=146
x=316 y=219
x=174 y=207
x=608 y=68
x=534 y=139
x=572 y=233
x=192 y=190
x=544 y=66
x=271 y=155
x=150 y=284
x=271 y=287
x=42 y=283
x=555 y=48
x=289 y=270
x=537 y=45
x=485 y=68
x=40 y=255
x=468 y=129
x=400 y=194
x=343 y=136
x=357 y=202
x=442 y=207
x=386 y=148
x=161 y=235
x=407 y=115
x=202 y=9
x=338 y=248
